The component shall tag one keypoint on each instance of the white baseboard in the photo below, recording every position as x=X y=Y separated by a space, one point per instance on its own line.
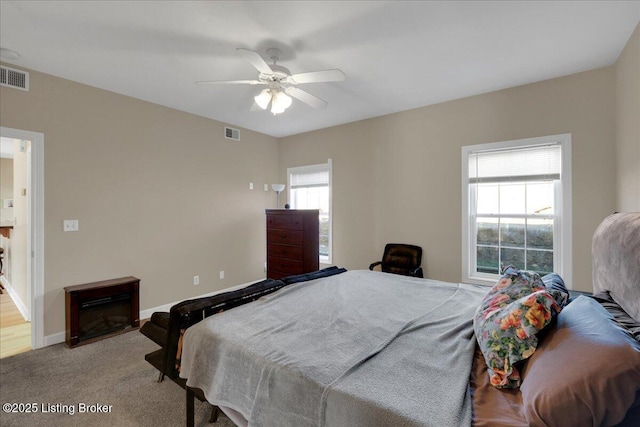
x=22 y=308
x=60 y=337
x=54 y=339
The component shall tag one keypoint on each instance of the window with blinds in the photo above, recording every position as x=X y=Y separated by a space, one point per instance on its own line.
x=516 y=201
x=310 y=188
x=515 y=164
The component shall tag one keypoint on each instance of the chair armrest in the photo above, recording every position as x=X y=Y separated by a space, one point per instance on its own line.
x=375 y=264
x=418 y=272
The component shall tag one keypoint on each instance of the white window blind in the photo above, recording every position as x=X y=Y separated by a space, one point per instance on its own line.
x=310 y=176
x=541 y=162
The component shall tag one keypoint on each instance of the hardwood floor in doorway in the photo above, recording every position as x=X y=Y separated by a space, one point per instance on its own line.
x=15 y=332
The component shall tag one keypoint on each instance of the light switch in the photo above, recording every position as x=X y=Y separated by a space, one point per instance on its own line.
x=70 y=225
x=251 y=186
x=266 y=187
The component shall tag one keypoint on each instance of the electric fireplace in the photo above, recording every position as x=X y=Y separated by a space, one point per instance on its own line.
x=99 y=310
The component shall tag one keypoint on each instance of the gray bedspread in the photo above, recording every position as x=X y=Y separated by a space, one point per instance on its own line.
x=360 y=348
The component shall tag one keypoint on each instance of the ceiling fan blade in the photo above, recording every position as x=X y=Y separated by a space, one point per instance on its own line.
x=256 y=60
x=306 y=97
x=318 y=77
x=231 y=82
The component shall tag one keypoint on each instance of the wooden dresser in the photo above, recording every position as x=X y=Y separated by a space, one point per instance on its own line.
x=292 y=242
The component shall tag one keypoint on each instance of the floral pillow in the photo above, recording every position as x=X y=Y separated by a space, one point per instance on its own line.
x=506 y=323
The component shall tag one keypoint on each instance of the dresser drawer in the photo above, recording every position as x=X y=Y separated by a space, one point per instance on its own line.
x=283 y=264
x=288 y=237
x=288 y=222
x=285 y=251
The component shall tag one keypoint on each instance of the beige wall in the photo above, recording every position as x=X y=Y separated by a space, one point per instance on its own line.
x=398 y=177
x=353 y=222
x=159 y=194
x=628 y=125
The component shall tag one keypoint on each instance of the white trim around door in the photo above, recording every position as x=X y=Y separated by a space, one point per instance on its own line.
x=35 y=262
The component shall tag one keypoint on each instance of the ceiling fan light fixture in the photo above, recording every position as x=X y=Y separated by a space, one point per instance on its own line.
x=263 y=99
x=281 y=84
x=281 y=101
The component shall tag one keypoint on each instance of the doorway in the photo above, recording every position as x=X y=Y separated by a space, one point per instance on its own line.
x=32 y=250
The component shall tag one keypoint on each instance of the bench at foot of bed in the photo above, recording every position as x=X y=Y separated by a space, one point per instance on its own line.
x=167 y=328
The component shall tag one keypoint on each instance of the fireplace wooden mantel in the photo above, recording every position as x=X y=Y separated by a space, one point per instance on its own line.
x=99 y=310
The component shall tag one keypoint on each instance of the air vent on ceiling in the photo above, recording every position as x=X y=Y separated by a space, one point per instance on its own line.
x=231 y=133
x=14 y=78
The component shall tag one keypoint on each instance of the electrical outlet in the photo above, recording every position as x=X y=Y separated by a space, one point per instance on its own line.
x=221 y=275
x=196 y=280
x=70 y=225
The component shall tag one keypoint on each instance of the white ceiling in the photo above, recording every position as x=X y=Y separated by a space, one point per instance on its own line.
x=396 y=55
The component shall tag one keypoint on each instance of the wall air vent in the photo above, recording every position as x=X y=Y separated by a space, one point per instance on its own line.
x=231 y=133
x=14 y=78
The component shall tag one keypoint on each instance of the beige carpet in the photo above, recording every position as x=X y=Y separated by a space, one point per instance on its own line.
x=110 y=372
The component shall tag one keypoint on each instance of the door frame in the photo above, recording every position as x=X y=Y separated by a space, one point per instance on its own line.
x=35 y=243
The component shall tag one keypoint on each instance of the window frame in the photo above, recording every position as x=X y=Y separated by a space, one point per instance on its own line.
x=562 y=232
x=301 y=169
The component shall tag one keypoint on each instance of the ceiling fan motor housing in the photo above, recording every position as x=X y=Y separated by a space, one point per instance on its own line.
x=279 y=73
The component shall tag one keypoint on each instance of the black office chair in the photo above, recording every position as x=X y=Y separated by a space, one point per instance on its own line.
x=401 y=259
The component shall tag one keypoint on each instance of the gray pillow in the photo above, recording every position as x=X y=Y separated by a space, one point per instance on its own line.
x=586 y=372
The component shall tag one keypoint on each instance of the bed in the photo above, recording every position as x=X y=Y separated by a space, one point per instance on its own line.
x=364 y=348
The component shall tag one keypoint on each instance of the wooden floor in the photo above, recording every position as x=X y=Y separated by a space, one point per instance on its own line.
x=15 y=332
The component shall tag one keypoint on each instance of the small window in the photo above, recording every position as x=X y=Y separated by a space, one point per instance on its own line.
x=517 y=207
x=310 y=188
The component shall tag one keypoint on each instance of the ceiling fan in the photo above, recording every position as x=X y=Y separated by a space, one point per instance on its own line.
x=281 y=84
